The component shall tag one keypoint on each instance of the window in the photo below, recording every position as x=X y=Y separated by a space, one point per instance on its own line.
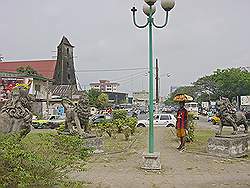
x=68 y=76
x=37 y=88
x=67 y=51
x=67 y=64
x=156 y=117
x=164 y=117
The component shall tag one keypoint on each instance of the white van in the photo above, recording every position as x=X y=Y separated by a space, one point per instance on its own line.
x=192 y=107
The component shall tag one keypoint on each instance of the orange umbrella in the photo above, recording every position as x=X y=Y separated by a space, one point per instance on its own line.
x=182 y=98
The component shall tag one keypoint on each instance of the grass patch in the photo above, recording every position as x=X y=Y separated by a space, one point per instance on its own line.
x=40 y=159
x=200 y=140
x=118 y=142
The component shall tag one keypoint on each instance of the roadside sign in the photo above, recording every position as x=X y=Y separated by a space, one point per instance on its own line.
x=245 y=100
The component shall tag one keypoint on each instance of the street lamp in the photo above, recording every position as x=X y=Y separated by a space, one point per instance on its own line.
x=149 y=9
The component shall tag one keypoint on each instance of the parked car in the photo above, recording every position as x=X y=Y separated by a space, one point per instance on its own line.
x=163 y=120
x=167 y=109
x=53 y=121
x=99 y=118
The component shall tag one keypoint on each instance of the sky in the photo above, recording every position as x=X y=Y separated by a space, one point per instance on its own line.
x=201 y=36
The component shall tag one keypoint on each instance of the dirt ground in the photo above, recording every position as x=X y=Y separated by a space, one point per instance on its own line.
x=179 y=169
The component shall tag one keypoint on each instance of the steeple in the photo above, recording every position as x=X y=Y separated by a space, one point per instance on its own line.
x=66 y=42
x=65 y=71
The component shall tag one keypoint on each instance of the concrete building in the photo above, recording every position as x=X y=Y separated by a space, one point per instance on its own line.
x=111 y=89
x=140 y=98
x=52 y=77
x=105 y=86
x=60 y=72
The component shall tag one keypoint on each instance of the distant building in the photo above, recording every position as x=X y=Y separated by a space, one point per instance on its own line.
x=140 y=98
x=117 y=97
x=105 y=86
x=60 y=72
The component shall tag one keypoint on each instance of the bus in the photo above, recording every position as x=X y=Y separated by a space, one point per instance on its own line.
x=192 y=108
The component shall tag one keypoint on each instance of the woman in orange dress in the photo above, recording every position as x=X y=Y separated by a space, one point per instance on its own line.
x=181 y=125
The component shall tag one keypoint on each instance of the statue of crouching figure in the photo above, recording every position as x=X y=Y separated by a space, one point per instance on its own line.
x=16 y=114
x=230 y=117
x=72 y=122
x=77 y=116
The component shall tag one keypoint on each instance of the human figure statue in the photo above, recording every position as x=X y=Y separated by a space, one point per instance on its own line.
x=229 y=116
x=181 y=125
x=16 y=114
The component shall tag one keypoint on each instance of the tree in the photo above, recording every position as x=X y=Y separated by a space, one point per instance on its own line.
x=93 y=95
x=27 y=70
x=102 y=101
x=228 y=83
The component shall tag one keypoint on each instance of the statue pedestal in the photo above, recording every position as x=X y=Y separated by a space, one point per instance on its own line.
x=151 y=161
x=228 y=145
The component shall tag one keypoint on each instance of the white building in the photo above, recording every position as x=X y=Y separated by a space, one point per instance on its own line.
x=105 y=86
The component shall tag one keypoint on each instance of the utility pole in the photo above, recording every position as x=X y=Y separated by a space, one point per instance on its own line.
x=157 y=87
x=157 y=83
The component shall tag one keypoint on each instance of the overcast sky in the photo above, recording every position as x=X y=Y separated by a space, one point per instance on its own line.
x=201 y=36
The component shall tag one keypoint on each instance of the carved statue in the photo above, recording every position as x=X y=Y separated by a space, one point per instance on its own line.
x=230 y=117
x=77 y=116
x=83 y=111
x=16 y=115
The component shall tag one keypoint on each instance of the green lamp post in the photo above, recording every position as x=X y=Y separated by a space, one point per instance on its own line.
x=149 y=9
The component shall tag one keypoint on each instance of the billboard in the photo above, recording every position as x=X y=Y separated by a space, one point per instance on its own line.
x=8 y=83
x=245 y=100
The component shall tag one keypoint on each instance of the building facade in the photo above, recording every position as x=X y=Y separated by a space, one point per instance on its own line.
x=53 y=77
x=105 y=86
x=140 y=98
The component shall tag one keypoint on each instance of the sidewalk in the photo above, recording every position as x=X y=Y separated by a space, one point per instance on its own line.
x=180 y=169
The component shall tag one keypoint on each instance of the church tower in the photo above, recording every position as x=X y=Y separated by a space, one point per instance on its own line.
x=65 y=70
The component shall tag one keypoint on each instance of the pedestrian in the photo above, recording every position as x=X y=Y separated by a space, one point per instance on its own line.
x=181 y=124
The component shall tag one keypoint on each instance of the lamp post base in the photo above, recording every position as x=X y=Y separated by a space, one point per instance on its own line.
x=151 y=161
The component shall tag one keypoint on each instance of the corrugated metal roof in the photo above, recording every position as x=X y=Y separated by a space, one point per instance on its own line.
x=46 y=68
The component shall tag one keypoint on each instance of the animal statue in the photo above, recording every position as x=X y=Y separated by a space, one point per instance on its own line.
x=77 y=116
x=230 y=117
x=83 y=111
x=16 y=114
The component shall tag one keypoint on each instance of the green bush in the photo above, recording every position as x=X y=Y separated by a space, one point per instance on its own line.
x=119 y=114
x=40 y=159
x=106 y=126
x=190 y=128
x=119 y=123
x=131 y=122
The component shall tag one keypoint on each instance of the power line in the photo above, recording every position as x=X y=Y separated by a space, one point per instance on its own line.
x=128 y=76
x=111 y=70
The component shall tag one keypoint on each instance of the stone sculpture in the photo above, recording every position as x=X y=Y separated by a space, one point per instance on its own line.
x=16 y=114
x=77 y=116
x=230 y=117
x=83 y=111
